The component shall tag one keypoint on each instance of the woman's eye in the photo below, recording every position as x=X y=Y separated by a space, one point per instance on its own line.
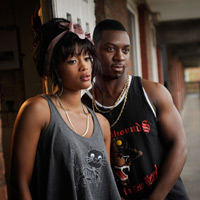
x=87 y=58
x=71 y=62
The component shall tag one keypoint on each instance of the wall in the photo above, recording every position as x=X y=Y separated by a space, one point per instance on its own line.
x=109 y=9
x=148 y=43
x=135 y=56
x=23 y=20
x=143 y=42
x=3 y=186
x=14 y=14
x=160 y=66
x=16 y=85
x=176 y=83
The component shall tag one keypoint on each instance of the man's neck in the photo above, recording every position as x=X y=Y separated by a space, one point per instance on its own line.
x=107 y=91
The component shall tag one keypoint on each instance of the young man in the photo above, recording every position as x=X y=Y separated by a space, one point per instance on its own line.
x=148 y=147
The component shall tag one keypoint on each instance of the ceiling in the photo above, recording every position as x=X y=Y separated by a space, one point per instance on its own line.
x=175 y=9
x=179 y=27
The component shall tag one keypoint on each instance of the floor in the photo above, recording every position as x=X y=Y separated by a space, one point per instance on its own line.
x=191 y=120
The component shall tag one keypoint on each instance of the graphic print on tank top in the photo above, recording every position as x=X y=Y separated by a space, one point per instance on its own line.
x=123 y=156
x=90 y=172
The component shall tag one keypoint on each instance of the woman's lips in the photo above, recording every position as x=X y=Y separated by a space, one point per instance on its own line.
x=85 y=77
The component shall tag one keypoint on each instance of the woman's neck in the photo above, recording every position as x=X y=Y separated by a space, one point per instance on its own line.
x=71 y=100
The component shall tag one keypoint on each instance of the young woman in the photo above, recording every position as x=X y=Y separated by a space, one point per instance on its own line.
x=60 y=148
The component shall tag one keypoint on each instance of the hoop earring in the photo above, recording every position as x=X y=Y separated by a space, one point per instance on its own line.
x=61 y=91
x=55 y=89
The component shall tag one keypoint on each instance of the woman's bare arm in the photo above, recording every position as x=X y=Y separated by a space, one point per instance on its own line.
x=32 y=117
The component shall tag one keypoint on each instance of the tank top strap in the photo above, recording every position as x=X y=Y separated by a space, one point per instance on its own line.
x=52 y=106
x=97 y=125
x=56 y=115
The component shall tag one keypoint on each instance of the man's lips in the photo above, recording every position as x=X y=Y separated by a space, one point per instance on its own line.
x=85 y=77
x=117 y=67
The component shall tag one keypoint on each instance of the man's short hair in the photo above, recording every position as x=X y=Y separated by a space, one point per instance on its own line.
x=107 y=24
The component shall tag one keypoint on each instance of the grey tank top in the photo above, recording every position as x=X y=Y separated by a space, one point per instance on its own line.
x=69 y=166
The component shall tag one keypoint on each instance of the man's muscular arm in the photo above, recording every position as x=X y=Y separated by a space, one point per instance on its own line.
x=171 y=127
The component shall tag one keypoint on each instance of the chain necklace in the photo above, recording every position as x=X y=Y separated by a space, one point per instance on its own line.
x=113 y=106
x=122 y=109
x=67 y=115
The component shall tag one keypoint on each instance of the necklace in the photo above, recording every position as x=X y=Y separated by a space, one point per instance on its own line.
x=67 y=115
x=122 y=109
x=113 y=106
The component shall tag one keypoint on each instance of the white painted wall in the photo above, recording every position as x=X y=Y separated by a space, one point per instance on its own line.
x=131 y=5
x=77 y=11
x=154 y=55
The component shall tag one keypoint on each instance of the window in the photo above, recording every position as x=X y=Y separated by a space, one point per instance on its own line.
x=87 y=27
x=79 y=21
x=69 y=17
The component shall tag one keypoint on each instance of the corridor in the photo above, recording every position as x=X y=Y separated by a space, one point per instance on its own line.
x=191 y=171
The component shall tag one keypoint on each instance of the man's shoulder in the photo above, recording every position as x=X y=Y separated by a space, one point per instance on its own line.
x=151 y=85
x=156 y=92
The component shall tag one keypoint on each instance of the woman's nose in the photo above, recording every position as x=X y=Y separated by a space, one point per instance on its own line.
x=84 y=66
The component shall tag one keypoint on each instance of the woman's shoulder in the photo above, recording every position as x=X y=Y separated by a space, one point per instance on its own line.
x=34 y=113
x=35 y=103
x=35 y=108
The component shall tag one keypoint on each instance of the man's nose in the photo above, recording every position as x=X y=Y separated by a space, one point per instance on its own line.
x=119 y=56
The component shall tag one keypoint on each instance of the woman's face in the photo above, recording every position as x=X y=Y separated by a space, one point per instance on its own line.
x=75 y=72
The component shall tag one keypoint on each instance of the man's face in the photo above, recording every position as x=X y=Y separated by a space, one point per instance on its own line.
x=113 y=50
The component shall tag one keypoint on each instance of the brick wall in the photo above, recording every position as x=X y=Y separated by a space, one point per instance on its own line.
x=109 y=9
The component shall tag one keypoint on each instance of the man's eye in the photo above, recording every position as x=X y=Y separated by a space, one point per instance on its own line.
x=110 y=48
x=126 y=51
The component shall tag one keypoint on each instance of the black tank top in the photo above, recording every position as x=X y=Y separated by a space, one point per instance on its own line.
x=136 y=147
